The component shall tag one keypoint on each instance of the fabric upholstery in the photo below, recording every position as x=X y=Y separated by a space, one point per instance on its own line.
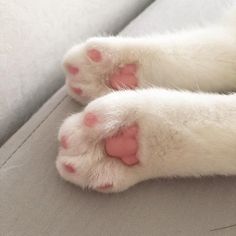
x=35 y=201
x=176 y=15
x=34 y=37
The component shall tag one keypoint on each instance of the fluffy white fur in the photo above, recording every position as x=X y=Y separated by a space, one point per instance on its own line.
x=180 y=133
x=201 y=59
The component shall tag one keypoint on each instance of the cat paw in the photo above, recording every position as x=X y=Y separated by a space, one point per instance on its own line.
x=101 y=148
x=100 y=66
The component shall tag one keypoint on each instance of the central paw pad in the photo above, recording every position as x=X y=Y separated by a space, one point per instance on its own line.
x=124 y=145
x=124 y=78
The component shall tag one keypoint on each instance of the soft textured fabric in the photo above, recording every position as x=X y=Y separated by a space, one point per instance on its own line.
x=34 y=37
x=35 y=201
x=176 y=15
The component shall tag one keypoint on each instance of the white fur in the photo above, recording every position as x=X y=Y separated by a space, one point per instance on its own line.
x=180 y=133
x=201 y=59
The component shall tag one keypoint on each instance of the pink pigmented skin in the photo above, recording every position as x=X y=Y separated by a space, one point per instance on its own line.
x=118 y=82
x=130 y=160
x=129 y=69
x=124 y=145
x=124 y=78
x=131 y=131
x=64 y=142
x=90 y=119
x=121 y=146
x=72 y=69
x=69 y=168
x=105 y=186
x=94 y=55
x=77 y=90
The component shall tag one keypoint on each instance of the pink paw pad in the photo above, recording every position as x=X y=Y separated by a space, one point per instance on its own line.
x=105 y=186
x=129 y=69
x=69 y=168
x=124 y=145
x=64 y=142
x=77 y=90
x=124 y=77
x=90 y=119
x=94 y=55
x=72 y=69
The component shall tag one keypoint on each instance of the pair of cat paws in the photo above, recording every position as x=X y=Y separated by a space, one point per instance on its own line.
x=105 y=147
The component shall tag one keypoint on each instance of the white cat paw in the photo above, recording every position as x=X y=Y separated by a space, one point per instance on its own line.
x=99 y=66
x=102 y=148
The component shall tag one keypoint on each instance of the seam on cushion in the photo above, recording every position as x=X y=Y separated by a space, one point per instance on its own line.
x=33 y=131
